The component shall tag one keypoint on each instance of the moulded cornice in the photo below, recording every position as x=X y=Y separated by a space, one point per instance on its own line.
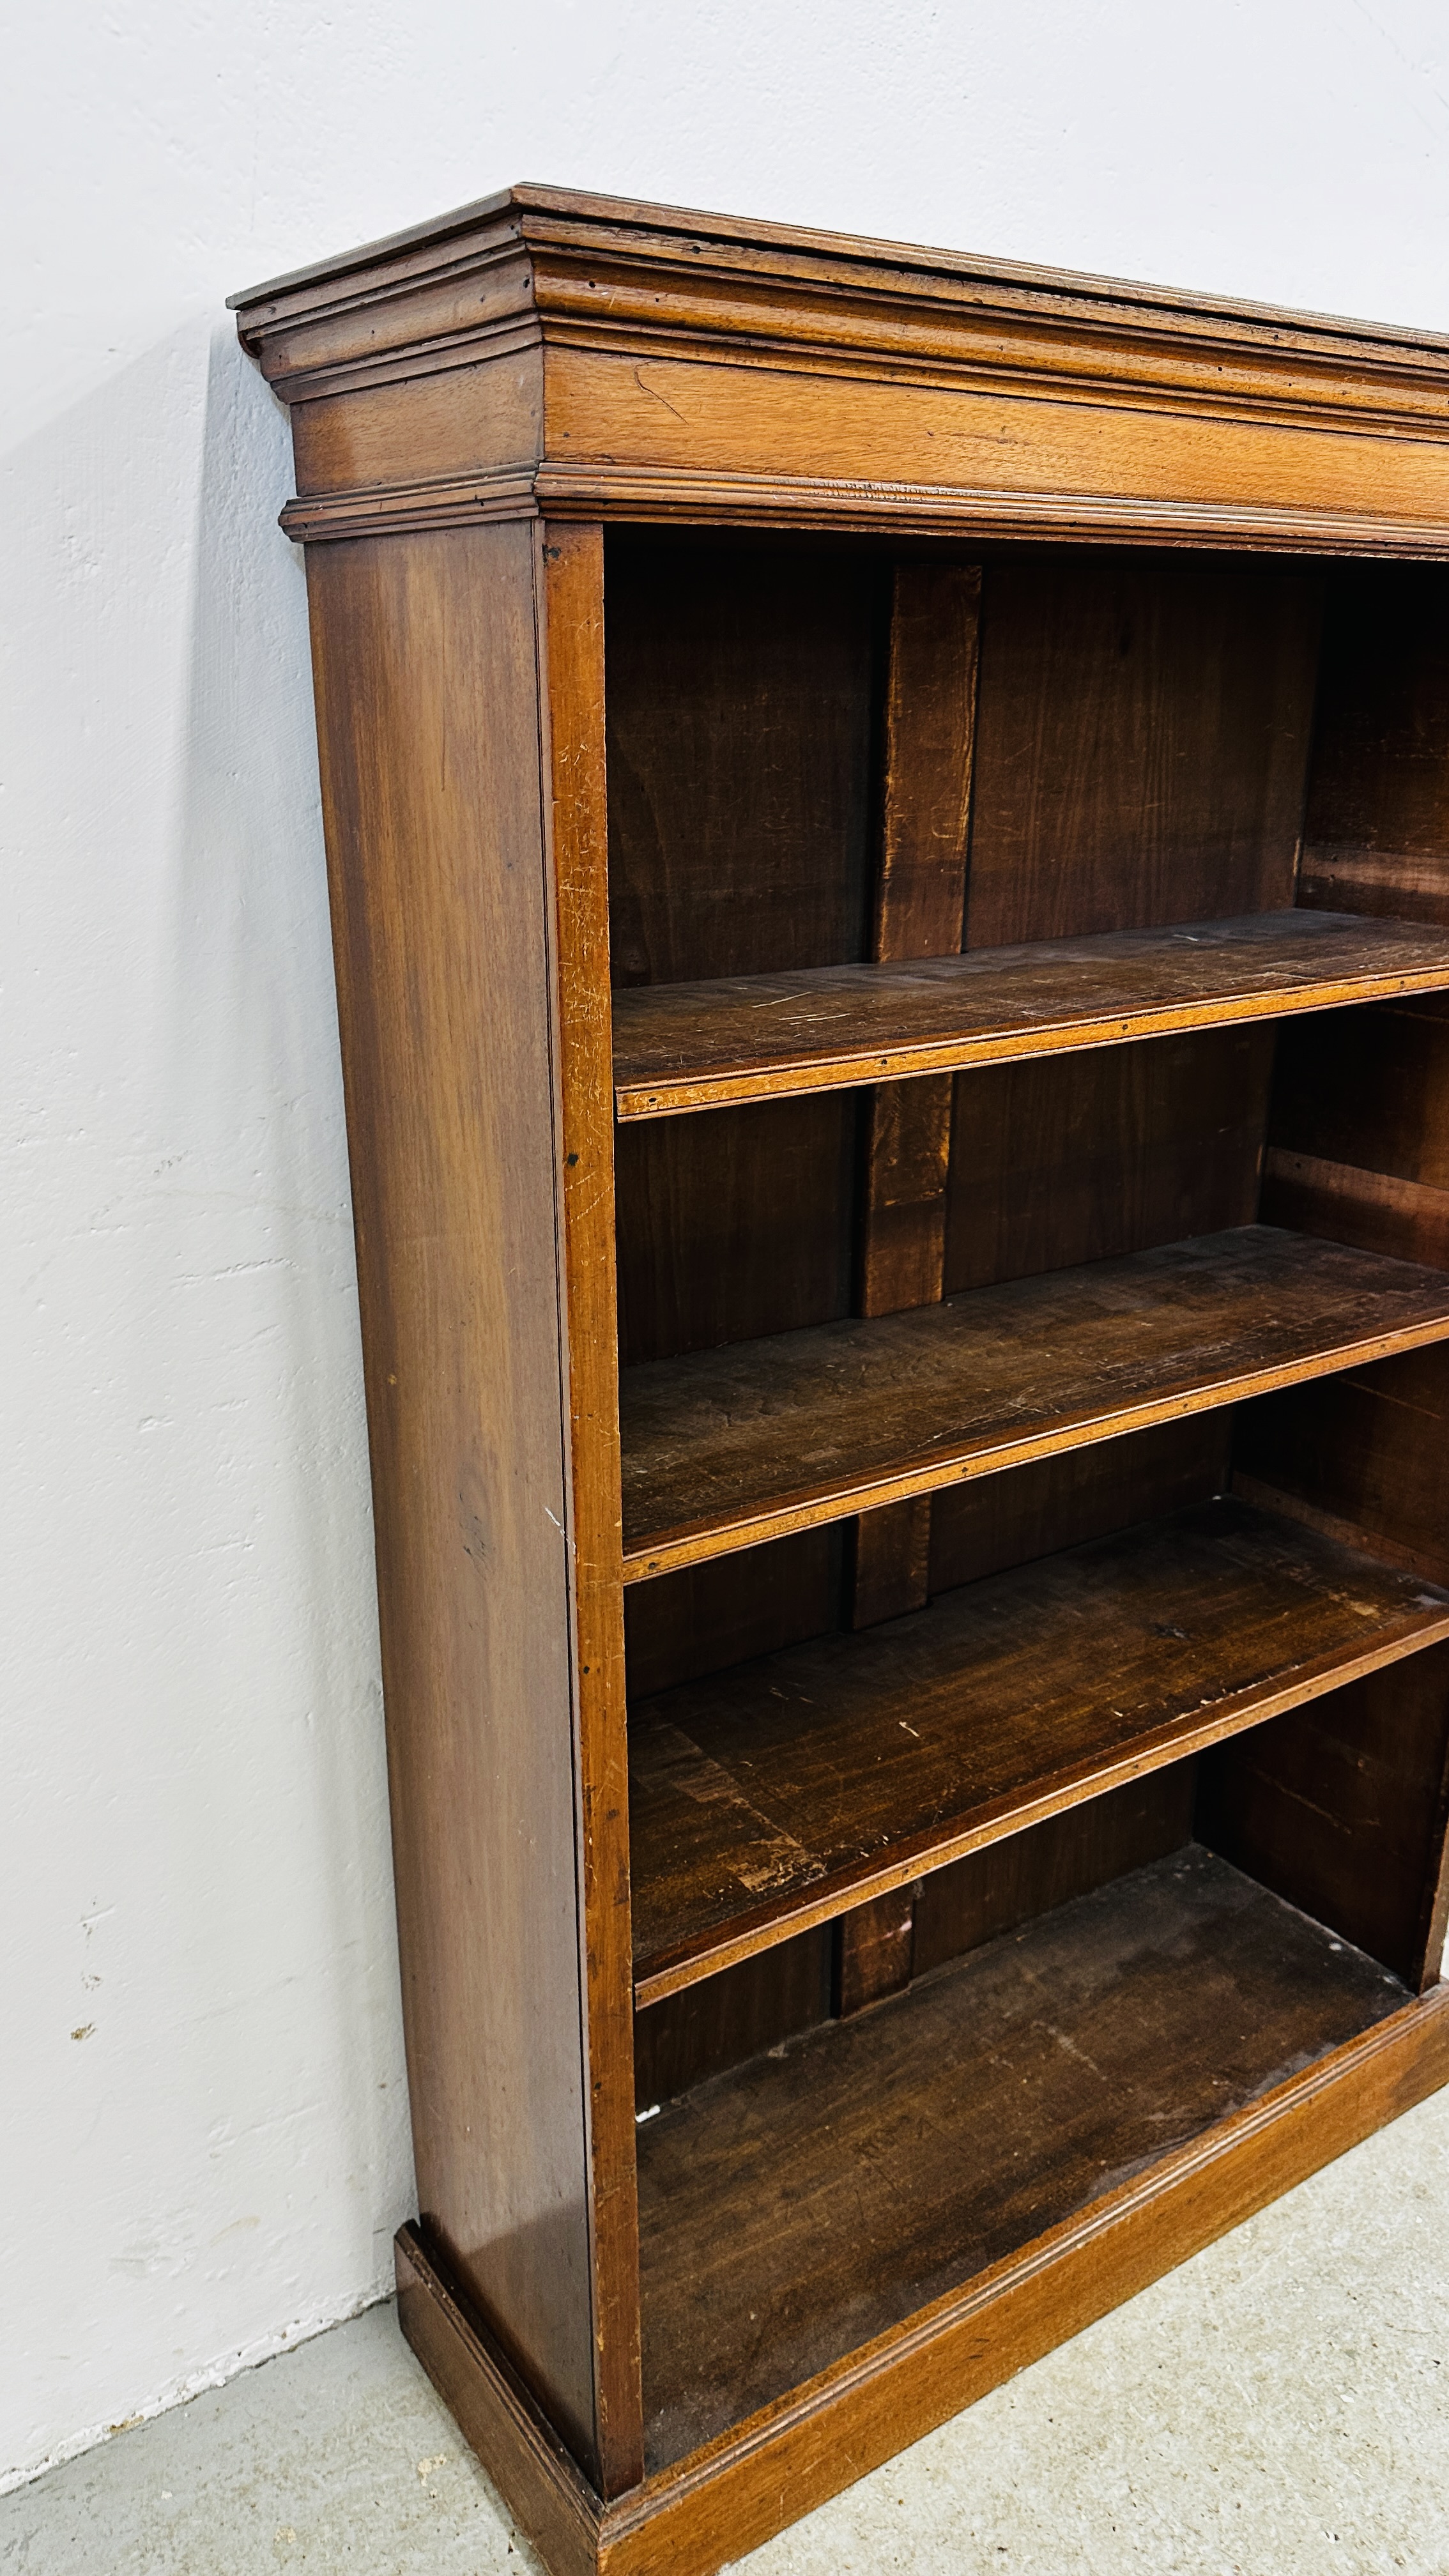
x=546 y=275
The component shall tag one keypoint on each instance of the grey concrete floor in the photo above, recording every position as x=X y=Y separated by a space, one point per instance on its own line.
x=1276 y=2408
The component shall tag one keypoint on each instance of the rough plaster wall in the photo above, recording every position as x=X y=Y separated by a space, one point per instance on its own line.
x=204 y=2142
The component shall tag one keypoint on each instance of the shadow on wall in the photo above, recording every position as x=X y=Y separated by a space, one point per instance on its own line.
x=204 y=1986
x=251 y=1031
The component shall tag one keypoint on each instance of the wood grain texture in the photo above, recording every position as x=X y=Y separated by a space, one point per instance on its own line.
x=725 y=1610
x=1009 y=1883
x=1356 y=1152
x=700 y=2029
x=703 y=1045
x=735 y=1226
x=930 y=720
x=791 y=2210
x=739 y=733
x=570 y=575
x=466 y=271
x=435 y=832
x=728 y=1447
x=739 y=737
x=768 y=1797
x=888 y=1561
x=1358 y=1137
x=903 y=1203
x=699 y=368
x=547 y=2494
x=1141 y=729
x=919 y=905
x=1376 y=830
x=999 y=1521
x=689 y=2518
x=687 y=438
x=852 y=2226
x=1083 y=1158
x=1341 y=1807
x=1365 y=1448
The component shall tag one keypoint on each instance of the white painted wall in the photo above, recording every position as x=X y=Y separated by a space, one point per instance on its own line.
x=204 y=2137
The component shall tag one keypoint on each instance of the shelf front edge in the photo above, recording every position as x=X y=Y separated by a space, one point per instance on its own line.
x=636 y=1098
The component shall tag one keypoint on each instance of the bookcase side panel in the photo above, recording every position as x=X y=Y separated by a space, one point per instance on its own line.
x=425 y=658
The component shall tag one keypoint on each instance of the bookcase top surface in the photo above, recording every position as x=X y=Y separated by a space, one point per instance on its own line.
x=538 y=215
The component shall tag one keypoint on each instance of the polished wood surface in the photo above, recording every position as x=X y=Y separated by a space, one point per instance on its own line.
x=548 y=2494
x=771 y=1795
x=680 y=1047
x=592 y=356
x=731 y=1446
x=791 y=2211
x=441 y=934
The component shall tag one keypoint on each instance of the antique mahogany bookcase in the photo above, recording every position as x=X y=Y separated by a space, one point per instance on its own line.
x=888 y=819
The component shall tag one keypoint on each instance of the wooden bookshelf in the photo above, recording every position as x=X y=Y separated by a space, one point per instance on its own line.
x=885 y=823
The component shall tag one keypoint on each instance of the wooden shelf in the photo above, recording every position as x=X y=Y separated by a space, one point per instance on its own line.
x=724 y=1448
x=767 y=1798
x=755 y=1037
x=798 y=2206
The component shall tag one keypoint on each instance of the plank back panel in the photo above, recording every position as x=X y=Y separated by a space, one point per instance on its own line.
x=1358 y=1138
x=992 y=1891
x=1142 y=740
x=1362 y=1455
x=722 y=1612
x=1068 y=1159
x=1376 y=830
x=1358 y=1153
x=732 y=2017
x=740 y=693
x=1340 y=1806
x=742 y=739
x=734 y=1224
x=996 y=1521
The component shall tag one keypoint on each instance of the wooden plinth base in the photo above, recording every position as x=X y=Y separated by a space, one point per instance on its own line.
x=689 y=2518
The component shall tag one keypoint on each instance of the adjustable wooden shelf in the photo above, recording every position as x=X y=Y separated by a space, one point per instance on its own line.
x=888 y=821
